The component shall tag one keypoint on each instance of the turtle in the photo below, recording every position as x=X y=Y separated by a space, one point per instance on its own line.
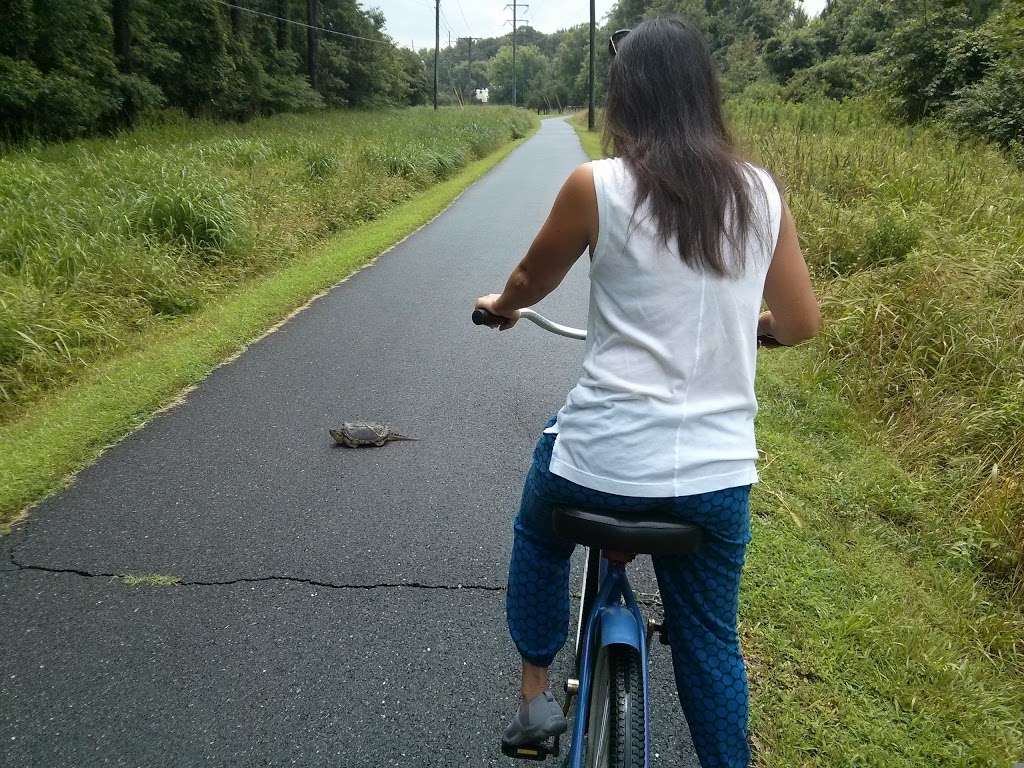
x=365 y=434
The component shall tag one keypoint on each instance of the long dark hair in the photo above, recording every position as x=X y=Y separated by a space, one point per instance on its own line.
x=664 y=118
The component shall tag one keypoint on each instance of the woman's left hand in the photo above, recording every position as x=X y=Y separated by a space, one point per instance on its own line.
x=490 y=303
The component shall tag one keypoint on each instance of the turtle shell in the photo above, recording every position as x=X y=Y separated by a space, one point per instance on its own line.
x=360 y=434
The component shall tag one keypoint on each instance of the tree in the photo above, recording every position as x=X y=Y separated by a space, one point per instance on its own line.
x=993 y=105
x=282 y=37
x=531 y=69
x=743 y=66
x=84 y=66
x=59 y=77
x=934 y=56
x=569 y=66
x=416 y=85
x=789 y=52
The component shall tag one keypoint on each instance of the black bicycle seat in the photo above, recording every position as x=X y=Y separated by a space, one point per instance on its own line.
x=647 y=534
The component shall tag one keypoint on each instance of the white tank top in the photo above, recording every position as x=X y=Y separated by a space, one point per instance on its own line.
x=665 y=405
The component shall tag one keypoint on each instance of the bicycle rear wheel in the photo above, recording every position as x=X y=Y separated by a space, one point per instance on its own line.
x=615 y=727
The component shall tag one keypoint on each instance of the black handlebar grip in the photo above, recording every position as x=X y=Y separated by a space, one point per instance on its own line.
x=482 y=317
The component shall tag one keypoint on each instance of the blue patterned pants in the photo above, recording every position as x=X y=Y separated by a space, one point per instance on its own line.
x=700 y=594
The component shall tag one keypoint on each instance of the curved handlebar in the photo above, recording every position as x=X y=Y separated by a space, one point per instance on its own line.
x=483 y=317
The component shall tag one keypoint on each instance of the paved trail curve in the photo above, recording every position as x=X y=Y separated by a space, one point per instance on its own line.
x=337 y=608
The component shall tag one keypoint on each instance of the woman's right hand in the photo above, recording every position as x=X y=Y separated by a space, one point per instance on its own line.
x=490 y=302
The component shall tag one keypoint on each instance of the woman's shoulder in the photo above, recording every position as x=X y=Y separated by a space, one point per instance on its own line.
x=610 y=170
x=763 y=175
x=579 y=190
x=597 y=174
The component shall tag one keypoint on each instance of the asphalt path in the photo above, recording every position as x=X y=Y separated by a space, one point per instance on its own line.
x=337 y=607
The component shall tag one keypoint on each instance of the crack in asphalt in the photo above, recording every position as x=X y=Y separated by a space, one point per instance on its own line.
x=649 y=599
x=259 y=579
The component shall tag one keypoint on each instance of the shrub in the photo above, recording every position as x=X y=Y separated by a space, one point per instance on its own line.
x=840 y=77
x=993 y=108
x=790 y=52
x=935 y=56
x=893 y=236
x=321 y=164
x=191 y=209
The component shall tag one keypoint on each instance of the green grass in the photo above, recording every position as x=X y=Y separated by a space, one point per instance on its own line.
x=66 y=430
x=873 y=630
x=869 y=641
x=148 y=580
x=591 y=140
x=104 y=238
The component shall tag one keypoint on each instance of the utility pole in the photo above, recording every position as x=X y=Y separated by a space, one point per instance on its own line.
x=312 y=41
x=119 y=13
x=437 y=43
x=282 y=25
x=590 y=77
x=515 y=6
x=469 y=40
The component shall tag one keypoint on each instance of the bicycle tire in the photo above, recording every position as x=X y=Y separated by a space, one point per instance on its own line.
x=615 y=737
x=627 y=691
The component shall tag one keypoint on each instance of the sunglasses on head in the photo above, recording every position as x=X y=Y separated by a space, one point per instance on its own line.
x=615 y=39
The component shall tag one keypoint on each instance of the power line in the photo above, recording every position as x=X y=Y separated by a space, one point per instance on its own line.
x=464 y=19
x=300 y=24
x=447 y=24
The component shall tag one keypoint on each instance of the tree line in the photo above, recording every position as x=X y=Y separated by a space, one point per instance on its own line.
x=79 y=67
x=958 y=61
x=85 y=66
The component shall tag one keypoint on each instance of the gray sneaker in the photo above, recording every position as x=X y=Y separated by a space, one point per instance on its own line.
x=537 y=719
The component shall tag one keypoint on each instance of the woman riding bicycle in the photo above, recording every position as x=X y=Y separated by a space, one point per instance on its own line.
x=685 y=240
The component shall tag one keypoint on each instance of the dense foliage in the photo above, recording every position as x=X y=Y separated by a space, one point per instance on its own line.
x=83 y=66
x=97 y=65
x=960 y=63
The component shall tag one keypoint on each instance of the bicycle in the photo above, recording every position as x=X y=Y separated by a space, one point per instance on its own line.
x=611 y=726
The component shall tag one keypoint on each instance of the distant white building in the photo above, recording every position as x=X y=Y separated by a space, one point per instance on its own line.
x=483 y=95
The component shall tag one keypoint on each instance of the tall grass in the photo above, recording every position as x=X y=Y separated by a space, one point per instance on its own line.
x=101 y=238
x=917 y=243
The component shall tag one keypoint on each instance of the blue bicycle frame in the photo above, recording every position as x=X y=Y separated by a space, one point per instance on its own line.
x=613 y=619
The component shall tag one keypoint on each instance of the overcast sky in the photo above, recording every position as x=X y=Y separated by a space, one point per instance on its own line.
x=413 y=20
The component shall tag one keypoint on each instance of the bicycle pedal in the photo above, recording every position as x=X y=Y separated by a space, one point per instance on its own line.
x=653 y=628
x=529 y=751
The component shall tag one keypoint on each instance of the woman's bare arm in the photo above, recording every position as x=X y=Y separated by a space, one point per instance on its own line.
x=570 y=229
x=793 y=314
